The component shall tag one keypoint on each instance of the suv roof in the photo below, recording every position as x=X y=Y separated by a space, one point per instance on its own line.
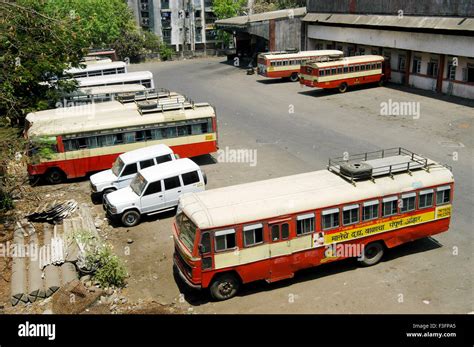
x=168 y=169
x=145 y=153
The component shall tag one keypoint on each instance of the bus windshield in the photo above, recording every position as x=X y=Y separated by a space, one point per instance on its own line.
x=118 y=166
x=138 y=184
x=187 y=230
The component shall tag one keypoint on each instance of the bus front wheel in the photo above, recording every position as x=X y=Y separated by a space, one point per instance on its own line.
x=373 y=252
x=342 y=88
x=224 y=287
x=54 y=176
x=294 y=77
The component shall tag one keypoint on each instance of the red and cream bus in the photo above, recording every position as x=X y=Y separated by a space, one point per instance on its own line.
x=270 y=229
x=84 y=142
x=345 y=72
x=283 y=64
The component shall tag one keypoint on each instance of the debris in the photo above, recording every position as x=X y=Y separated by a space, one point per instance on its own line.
x=85 y=279
x=426 y=302
x=129 y=241
x=54 y=214
x=83 y=298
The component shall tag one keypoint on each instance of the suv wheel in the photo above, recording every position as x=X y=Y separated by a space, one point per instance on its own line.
x=130 y=218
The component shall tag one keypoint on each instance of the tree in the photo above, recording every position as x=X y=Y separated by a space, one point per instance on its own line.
x=225 y=9
x=35 y=49
x=260 y=6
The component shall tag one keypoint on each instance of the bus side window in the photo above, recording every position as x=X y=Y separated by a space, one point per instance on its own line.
x=305 y=224
x=443 y=195
x=321 y=72
x=408 y=202
x=205 y=243
x=371 y=210
x=224 y=240
x=350 y=214
x=253 y=234
x=389 y=206
x=346 y=69
x=339 y=70
x=351 y=68
x=425 y=198
x=330 y=218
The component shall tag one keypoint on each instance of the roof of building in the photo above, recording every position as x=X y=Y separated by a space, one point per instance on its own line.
x=276 y=197
x=241 y=21
x=145 y=152
x=169 y=168
x=410 y=22
x=318 y=53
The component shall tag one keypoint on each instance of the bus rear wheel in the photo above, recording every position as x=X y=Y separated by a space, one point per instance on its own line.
x=294 y=77
x=54 y=176
x=342 y=88
x=373 y=252
x=224 y=287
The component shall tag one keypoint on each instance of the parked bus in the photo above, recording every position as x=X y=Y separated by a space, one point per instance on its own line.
x=82 y=143
x=101 y=94
x=270 y=229
x=145 y=78
x=284 y=64
x=95 y=54
x=98 y=69
x=345 y=72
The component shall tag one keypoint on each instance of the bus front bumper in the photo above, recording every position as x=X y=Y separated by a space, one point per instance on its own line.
x=183 y=277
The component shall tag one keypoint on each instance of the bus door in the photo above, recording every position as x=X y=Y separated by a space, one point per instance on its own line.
x=280 y=250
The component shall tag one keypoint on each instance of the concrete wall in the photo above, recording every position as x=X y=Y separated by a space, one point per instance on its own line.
x=461 y=8
x=288 y=34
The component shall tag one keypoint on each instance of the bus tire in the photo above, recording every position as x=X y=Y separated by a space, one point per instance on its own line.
x=54 y=176
x=147 y=105
x=224 y=286
x=130 y=218
x=373 y=252
x=294 y=77
x=342 y=87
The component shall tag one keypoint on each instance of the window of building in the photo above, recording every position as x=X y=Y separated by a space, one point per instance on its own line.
x=432 y=69
x=402 y=63
x=425 y=198
x=305 y=224
x=408 y=202
x=153 y=187
x=443 y=195
x=253 y=234
x=389 y=206
x=350 y=214
x=416 y=64
x=330 y=218
x=371 y=210
x=172 y=183
x=130 y=169
x=224 y=240
x=468 y=73
x=190 y=178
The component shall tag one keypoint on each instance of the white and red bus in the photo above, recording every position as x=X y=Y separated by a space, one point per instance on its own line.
x=97 y=69
x=284 y=64
x=81 y=142
x=145 y=78
x=270 y=229
x=100 y=94
x=345 y=72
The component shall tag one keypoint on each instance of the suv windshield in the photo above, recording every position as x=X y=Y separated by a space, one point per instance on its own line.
x=118 y=166
x=187 y=230
x=138 y=184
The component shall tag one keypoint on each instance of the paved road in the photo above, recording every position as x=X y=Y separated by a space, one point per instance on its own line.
x=297 y=129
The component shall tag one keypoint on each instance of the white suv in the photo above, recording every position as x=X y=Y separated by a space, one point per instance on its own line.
x=153 y=190
x=126 y=166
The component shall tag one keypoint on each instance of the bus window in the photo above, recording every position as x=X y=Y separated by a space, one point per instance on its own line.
x=356 y=68
x=305 y=224
x=224 y=240
x=275 y=232
x=362 y=67
x=333 y=71
x=351 y=68
x=350 y=214
x=321 y=72
x=408 y=202
x=253 y=234
x=339 y=70
x=389 y=206
x=443 y=195
x=371 y=210
x=425 y=199
x=367 y=67
x=330 y=218
x=205 y=243
x=129 y=137
x=346 y=69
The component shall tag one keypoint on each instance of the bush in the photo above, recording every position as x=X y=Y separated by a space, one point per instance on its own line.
x=165 y=52
x=6 y=201
x=110 y=270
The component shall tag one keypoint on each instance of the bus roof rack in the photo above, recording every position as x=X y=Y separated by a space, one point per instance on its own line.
x=385 y=162
x=126 y=98
x=162 y=105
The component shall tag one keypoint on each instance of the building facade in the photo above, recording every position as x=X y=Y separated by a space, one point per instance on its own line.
x=185 y=24
x=430 y=43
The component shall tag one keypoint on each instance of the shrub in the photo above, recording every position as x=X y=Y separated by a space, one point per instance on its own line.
x=110 y=270
x=165 y=52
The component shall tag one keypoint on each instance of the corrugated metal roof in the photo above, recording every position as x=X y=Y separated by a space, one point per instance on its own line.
x=412 y=22
x=242 y=21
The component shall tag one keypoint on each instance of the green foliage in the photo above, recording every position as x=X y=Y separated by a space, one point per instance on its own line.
x=35 y=48
x=110 y=270
x=151 y=42
x=165 y=52
x=6 y=201
x=129 y=45
x=228 y=8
